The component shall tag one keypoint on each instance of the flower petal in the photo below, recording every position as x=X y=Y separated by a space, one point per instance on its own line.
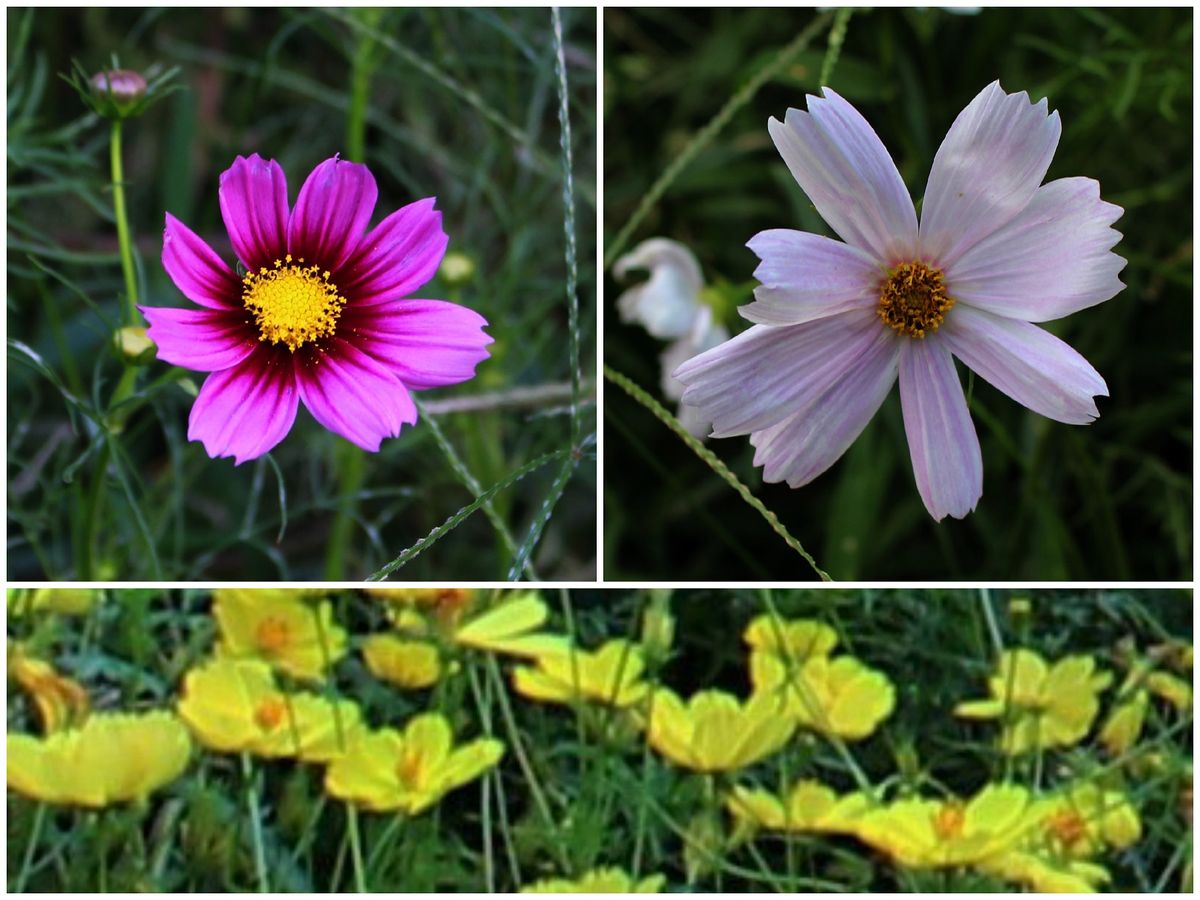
x=668 y=302
x=941 y=437
x=992 y=160
x=769 y=373
x=331 y=214
x=196 y=269
x=397 y=256
x=253 y=198
x=353 y=395
x=1028 y=363
x=205 y=340
x=804 y=445
x=806 y=276
x=1053 y=259
x=246 y=410
x=843 y=167
x=426 y=343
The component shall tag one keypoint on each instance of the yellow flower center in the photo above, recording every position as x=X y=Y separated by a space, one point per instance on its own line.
x=1068 y=826
x=270 y=713
x=273 y=634
x=913 y=300
x=948 y=821
x=411 y=767
x=292 y=303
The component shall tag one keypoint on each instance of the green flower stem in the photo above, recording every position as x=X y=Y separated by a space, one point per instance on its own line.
x=35 y=834
x=712 y=461
x=260 y=857
x=118 y=189
x=351 y=465
x=356 y=857
x=360 y=89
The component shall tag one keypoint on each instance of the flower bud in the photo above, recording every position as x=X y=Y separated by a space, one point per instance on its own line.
x=123 y=87
x=133 y=344
x=457 y=268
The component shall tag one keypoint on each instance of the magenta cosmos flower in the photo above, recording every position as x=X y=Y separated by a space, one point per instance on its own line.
x=320 y=315
x=838 y=323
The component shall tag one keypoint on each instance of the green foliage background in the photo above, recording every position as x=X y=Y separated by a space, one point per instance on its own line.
x=1110 y=501
x=582 y=791
x=462 y=105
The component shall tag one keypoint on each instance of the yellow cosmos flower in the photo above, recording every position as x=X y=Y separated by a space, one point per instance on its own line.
x=1044 y=874
x=599 y=881
x=714 y=732
x=921 y=833
x=609 y=675
x=1085 y=818
x=64 y=601
x=405 y=663
x=1175 y=691
x=280 y=627
x=795 y=640
x=1123 y=726
x=511 y=627
x=61 y=702
x=112 y=758
x=409 y=771
x=830 y=695
x=235 y=706
x=809 y=807
x=1041 y=705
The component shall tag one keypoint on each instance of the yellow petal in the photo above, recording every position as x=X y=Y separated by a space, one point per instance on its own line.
x=404 y=663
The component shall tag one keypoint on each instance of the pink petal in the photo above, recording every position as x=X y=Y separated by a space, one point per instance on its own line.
x=1053 y=259
x=331 y=213
x=806 y=276
x=843 y=167
x=253 y=197
x=245 y=410
x=990 y=163
x=1029 y=364
x=352 y=394
x=806 y=444
x=397 y=256
x=941 y=438
x=205 y=340
x=197 y=270
x=768 y=373
x=426 y=343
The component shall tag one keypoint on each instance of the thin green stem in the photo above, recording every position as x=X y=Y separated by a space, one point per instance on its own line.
x=352 y=467
x=568 y=193
x=123 y=237
x=356 y=857
x=35 y=834
x=88 y=568
x=260 y=856
x=837 y=37
x=713 y=462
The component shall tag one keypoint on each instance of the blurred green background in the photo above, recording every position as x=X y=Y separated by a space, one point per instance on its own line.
x=1110 y=501
x=463 y=105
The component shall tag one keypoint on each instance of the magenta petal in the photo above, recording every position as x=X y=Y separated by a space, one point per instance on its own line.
x=205 y=340
x=768 y=373
x=245 y=410
x=1028 y=363
x=426 y=343
x=841 y=164
x=806 y=276
x=253 y=197
x=331 y=213
x=353 y=395
x=941 y=437
x=801 y=447
x=397 y=256
x=196 y=269
x=1050 y=261
x=985 y=172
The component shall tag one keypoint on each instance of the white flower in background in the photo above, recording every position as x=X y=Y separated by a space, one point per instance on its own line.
x=669 y=307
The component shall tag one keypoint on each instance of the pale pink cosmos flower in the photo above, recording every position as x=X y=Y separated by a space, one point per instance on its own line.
x=322 y=314
x=838 y=323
